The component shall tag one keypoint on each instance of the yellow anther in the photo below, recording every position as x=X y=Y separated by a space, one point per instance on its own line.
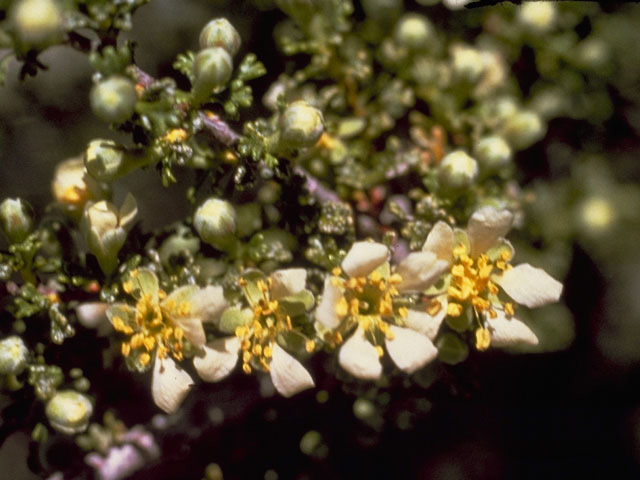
x=149 y=343
x=136 y=340
x=483 y=339
x=246 y=356
x=267 y=351
x=385 y=307
x=257 y=349
x=125 y=348
x=454 y=309
x=309 y=346
x=262 y=286
x=175 y=136
x=336 y=282
x=354 y=306
x=246 y=368
x=505 y=255
x=127 y=287
x=242 y=282
x=457 y=271
x=162 y=294
x=73 y=195
x=508 y=308
x=352 y=283
x=336 y=271
x=241 y=331
x=395 y=279
x=178 y=333
x=379 y=350
x=144 y=359
x=342 y=308
x=375 y=276
x=403 y=312
x=245 y=345
x=492 y=313
x=162 y=351
x=493 y=288
x=459 y=250
x=184 y=308
x=433 y=307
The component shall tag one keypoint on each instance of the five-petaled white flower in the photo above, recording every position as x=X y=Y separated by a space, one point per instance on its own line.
x=259 y=331
x=359 y=300
x=478 y=262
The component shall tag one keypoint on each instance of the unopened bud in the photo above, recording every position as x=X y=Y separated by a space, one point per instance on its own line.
x=212 y=69
x=37 y=23
x=215 y=222
x=114 y=99
x=457 y=170
x=523 y=129
x=467 y=62
x=104 y=159
x=13 y=355
x=220 y=33
x=69 y=411
x=537 y=16
x=413 y=31
x=493 y=153
x=301 y=125
x=16 y=219
x=105 y=230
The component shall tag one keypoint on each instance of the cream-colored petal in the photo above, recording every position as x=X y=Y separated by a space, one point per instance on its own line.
x=420 y=270
x=92 y=314
x=440 y=241
x=128 y=211
x=169 y=385
x=360 y=358
x=287 y=374
x=193 y=330
x=486 y=226
x=288 y=282
x=424 y=323
x=220 y=358
x=507 y=332
x=529 y=286
x=208 y=303
x=326 y=309
x=409 y=349
x=364 y=258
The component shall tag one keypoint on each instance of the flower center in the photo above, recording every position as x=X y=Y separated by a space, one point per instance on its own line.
x=471 y=284
x=367 y=302
x=260 y=333
x=153 y=326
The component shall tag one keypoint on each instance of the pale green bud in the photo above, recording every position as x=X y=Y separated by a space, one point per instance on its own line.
x=16 y=219
x=523 y=129
x=105 y=230
x=69 y=411
x=413 y=31
x=103 y=159
x=457 y=170
x=493 y=153
x=215 y=222
x=212 y=69
x=37 y=23
x=592 y=54
x=220 y=33
x=383 y=11
x=537 y=16
x=114 y=99
x=301 y=125
x=468 y=63
x=13 y=355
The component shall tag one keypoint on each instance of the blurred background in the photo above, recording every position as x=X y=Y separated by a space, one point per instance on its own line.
x=573 y=410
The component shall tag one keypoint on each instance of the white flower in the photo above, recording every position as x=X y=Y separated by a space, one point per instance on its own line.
x=361 y=304
x=259 y=331
x=156 y=328
x=478 y=260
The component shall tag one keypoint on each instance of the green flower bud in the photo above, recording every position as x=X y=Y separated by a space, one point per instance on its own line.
x=69 y=411
x=37 y=23
x=493 y=153
x=212 y=69
x=537 y=16
x=16 y=219
x=105 y=230
x=103 y=159
x=13 y=355
x=523 y=129
x=114 y=99
x=220 y=33
x=457 y=170
x=301 y=125
x=413 y=31
x=215 y=222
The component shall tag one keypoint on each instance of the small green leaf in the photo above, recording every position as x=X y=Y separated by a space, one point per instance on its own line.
x=297 y=304
x=293 y=342
x=234 y=317
x=451 y=349
x=460 y=323
x=250 y=68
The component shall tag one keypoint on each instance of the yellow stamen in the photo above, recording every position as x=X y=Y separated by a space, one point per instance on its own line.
x=454 y=309
x=144 y=359
x=483 y=339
